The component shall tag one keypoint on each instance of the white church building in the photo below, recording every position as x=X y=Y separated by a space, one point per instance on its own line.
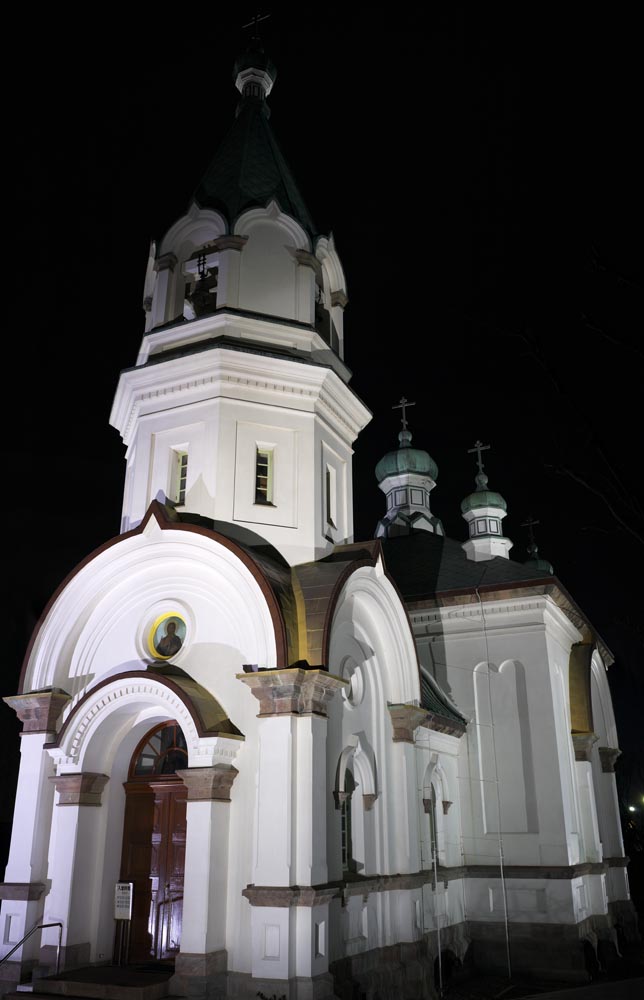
x=313 y=765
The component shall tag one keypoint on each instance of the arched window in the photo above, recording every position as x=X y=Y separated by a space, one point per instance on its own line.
x=162 y=751
x=348 y=861
x=433 y=825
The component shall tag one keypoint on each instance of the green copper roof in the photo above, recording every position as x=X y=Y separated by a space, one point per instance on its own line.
x=405 y=460
x=249 y=169
x=483 y=498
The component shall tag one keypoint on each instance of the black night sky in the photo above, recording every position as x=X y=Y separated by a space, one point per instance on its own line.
x=481 y=174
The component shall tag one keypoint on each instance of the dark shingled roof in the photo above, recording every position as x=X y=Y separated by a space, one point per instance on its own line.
x=424 y=564
x=435 y=701
x=249 y=169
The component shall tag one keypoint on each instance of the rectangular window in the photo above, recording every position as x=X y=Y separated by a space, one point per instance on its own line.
x=330 y=496
x=264 y=476
x=179 y=477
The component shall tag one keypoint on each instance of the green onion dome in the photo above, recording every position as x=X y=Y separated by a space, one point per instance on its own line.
x=482 y=497
x=406 y=460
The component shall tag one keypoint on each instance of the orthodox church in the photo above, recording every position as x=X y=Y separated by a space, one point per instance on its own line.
x=264 y=755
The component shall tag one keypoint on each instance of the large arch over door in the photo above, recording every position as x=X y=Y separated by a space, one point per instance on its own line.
x=99 y=737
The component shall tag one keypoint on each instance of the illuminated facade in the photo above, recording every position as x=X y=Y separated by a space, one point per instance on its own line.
x=318 y=761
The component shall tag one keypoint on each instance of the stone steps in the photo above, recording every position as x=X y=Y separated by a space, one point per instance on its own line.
x=101 y=983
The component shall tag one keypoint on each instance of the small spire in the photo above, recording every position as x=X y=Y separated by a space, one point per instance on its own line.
x=531 y=524
x=481 y=479
x=533 y=548
x=404 y=436
x=484 y=511
x=254 y=73
x=253 y=24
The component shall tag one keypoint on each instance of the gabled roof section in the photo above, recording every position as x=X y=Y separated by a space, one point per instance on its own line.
x=424 y=564
x=433 y=570
x=249 y=169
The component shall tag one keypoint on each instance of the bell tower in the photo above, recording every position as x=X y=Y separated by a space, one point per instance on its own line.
x=238 y=408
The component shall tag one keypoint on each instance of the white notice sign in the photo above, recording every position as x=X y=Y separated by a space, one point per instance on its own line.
x=123 y=900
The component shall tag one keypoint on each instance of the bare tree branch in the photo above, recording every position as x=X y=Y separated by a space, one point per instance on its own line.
x=565 y=471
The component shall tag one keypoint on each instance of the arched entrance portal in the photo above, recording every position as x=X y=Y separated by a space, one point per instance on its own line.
x=154 y=843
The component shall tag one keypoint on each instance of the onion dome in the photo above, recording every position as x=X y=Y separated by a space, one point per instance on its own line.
x=482 y=497
x=406 y=459
x=484 y=511
x=406 y=476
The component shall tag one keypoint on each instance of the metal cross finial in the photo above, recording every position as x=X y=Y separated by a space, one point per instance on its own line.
x=402 y=405
x=255 y=21
x=478 y=448
x=530 y=524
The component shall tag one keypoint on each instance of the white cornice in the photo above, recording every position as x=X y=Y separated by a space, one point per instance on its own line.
x=533 y=612
x=228 y=324
x=225 y=372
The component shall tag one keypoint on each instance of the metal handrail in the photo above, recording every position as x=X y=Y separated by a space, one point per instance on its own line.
x=38 y=927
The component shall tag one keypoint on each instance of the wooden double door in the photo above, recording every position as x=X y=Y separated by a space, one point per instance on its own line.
x=153 y=859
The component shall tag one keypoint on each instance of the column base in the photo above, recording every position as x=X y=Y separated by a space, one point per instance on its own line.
x=14 y=974
x=625 y=920
x=72 y=956
x=199 y=975
x=245 y=987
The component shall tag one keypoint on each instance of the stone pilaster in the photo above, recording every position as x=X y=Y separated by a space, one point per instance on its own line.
x=405 y=719
x=290 y=837
x=81 y=789
x=209 y=784
x=583 y=744
x=292 y=690
x=203 y=956
x=39 y=710
x=608 y=757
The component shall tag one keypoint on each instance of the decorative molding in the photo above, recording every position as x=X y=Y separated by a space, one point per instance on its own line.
x=39 y=710
x=209 y=784
x=368 y=801
x=404 y=720
x=306 y=259
x=296 y=895
x=446 y=805
x=80 y=789
x=22 y=890
x=608 y=757
x=292 y=690
x=283 y=896
x=583 y=744
x=166 y=262
x=205 y=748
x=339 y=298
x=229 y=243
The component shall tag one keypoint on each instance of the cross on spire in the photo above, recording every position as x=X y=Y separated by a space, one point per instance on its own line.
x=530 y=524
x=402 y=405
x=254 y=22
x=478 y=448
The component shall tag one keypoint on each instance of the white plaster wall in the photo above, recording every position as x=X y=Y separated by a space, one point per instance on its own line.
x=217 y=406
x=521 y=736
x=604 y=783
x=372 y=645
x=268 y=281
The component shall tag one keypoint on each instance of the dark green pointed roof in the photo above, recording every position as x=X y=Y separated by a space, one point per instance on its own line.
x=249 y=169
